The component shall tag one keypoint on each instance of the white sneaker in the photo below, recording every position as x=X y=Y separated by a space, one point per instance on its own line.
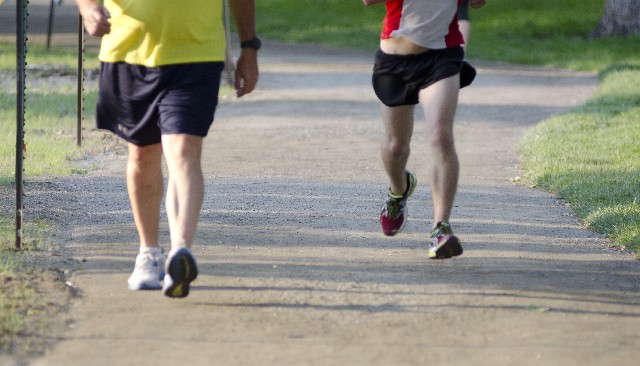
x=148 y=272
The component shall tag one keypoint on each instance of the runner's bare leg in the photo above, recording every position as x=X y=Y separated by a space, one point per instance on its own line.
x=145 y=188
x=396 y=144
x=185 y=186
x=439 y=102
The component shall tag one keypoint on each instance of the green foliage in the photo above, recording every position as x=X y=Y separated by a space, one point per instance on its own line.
x=533 y=32
x=330 y=22
x=547 y=33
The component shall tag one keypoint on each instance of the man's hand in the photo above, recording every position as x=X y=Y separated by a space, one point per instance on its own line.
x=244 y=14
x=246 y=71
x=477 y=3
x=94 y=17
x=373 y=2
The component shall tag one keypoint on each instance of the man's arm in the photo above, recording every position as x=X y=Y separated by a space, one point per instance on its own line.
x=94 y=17
x=244 y=16
x=373 y=2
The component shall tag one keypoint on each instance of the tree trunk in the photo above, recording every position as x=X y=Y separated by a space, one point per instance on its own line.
x=619 y=18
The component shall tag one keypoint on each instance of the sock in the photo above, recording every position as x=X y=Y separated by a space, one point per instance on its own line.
x=395 y=196
x=151 y=250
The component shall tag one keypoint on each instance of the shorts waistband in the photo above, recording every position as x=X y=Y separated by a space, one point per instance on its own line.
x=409 y=57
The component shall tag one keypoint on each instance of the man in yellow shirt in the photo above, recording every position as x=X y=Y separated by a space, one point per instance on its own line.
x=161 y=62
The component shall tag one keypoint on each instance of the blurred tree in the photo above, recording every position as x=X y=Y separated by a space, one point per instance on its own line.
x=619 y=18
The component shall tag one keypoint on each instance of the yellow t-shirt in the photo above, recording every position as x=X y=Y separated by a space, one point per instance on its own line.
x=164 y=32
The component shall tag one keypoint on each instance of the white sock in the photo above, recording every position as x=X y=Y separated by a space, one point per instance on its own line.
x=151 y=250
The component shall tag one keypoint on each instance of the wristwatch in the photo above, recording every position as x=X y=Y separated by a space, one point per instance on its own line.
x=251 y=43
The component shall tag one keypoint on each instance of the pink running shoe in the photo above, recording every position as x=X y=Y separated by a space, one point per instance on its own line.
x=394 y=211
x=443 y=244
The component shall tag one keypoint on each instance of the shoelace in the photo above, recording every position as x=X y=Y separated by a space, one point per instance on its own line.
x=393 y=208
x=441 y=229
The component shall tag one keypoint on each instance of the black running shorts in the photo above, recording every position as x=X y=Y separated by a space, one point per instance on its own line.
x=141 y=103
x=398 y=79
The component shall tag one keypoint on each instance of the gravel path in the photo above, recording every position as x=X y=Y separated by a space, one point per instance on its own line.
x=294 y=269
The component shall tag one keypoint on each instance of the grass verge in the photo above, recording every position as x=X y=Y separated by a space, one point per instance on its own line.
x=38 y=55
x=33 y=292
x=49 y=132
x=590 y=157
x=33 y=297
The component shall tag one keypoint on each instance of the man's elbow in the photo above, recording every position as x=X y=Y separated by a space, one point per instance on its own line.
x=372 y=2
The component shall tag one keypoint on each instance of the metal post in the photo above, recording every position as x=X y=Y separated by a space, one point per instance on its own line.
x=80 y=95
x=50 y=23
x=21 y=62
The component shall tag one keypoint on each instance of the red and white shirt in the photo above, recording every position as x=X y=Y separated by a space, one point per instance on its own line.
x=428 y=23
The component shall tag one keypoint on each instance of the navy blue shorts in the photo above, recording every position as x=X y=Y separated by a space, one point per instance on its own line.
x=140 y=104
x=398 y=79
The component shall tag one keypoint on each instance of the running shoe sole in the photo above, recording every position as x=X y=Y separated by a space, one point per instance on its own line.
x=449 y=247
x=181 y=270
x=144 y=287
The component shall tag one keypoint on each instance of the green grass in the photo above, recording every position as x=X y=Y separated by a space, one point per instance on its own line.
x=15 y=297
x=21 y=300
x=39 y=55
x=330 y=22
x=547 y=33
x=49 y=132
x=591 y=157
x=533 y=32
x=50 y=113
x=11 y=301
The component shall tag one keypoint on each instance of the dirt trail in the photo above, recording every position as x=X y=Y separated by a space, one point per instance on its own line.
x=294 y=269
